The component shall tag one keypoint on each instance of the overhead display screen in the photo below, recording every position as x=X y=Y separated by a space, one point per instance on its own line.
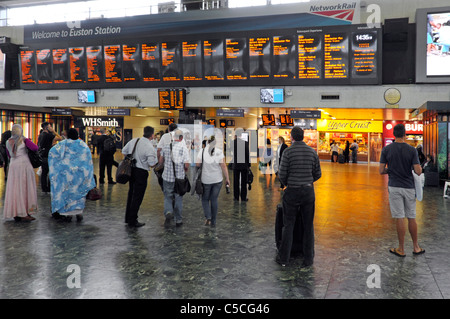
x=94 y=59
x=172 y=99
x=192 y=60
x=338 y=55
x=44 y=66
x=28 y=66
x=286 y=120
x=60 y=66
x=171 y=61
x=131 y=62
x=235 y=61
x=77 y=63
x=151 y=70
x=213 y=59
x=259 y=57
x=268 y=119
x=113 y=64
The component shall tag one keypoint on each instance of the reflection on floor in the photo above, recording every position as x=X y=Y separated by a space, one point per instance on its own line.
x=353 y=230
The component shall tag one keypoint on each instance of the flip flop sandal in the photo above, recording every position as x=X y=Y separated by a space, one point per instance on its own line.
x=395 y=252
x=419 y=252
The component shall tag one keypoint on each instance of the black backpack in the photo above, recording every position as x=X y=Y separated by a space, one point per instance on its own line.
x=109 y=145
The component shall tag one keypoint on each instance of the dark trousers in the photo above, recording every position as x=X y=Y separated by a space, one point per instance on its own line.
x=240 y=178
x=136 y=192
x=106 y=160
x=354 y=157
x=298 y=203
x=45 y=181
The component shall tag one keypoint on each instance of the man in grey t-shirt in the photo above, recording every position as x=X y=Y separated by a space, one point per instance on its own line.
x=398 y=160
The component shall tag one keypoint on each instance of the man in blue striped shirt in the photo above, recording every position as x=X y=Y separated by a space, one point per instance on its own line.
x=299 y=169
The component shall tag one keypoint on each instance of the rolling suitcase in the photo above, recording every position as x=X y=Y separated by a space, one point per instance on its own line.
x=297 y=243
x=341 y=159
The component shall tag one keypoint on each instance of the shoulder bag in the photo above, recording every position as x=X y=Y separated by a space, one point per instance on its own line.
x=34 y=156
x=198 y=182
x=123 y=173
x=182 y=185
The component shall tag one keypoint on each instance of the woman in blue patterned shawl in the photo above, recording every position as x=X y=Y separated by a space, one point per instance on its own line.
x=71 y=176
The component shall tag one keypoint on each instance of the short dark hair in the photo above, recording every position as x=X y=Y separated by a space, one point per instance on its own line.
x=44 y=125
x=297 y=133
x=72 y=134
x=148 y=131
x=172 y=127
x=399 y=130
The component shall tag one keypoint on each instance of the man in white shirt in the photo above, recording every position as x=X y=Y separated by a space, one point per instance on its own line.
x=145 y=156
x=177 y=155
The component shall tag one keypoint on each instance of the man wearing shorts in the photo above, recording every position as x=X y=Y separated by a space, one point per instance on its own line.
x=398 y=160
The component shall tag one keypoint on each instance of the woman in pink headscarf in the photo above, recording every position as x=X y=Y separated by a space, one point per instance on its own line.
x=20 y=197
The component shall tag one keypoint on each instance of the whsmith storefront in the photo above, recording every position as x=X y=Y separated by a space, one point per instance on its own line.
x=368 y=135
x=89 y=125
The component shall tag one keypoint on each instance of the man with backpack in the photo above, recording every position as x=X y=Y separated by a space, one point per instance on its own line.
x=106 y=149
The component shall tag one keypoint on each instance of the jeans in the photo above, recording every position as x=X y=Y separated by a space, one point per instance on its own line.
x=298 y=203
x=209 y=200
x=136 y=192
x=172 y=201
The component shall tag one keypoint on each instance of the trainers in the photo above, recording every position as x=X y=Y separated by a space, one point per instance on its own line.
x=169 y=217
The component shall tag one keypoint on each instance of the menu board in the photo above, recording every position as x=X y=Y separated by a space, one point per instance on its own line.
x=259 y=57
x=151 y=62
x=28 y=66
x=171 y=61
x=310 y=56
x=284 y=57
x=44 y=66
x=131 y=62
x=172 y=99
x=364 y=55
x=60 y=66
x=235 y=59
x=213 y=59
x=94 y=60
x=77 y=64
x=113 y=63
x=336 y=55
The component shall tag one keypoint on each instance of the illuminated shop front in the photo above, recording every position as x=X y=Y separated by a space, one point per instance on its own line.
x=30 y=122
x=367 y=134
x=414 y=132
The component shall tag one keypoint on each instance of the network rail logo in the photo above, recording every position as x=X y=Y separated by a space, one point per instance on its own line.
x=345 y=11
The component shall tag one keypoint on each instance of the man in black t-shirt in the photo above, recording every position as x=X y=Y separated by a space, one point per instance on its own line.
x=106 y=157
x=398 y=160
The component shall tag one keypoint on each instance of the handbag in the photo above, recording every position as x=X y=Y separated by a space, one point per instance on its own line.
x=94 y=194
x=182 y=185
x=123 y=173
x=35 y=158
x=198 y=183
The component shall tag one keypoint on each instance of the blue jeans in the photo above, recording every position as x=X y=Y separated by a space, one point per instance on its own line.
x=172 y=201
x=209 y=200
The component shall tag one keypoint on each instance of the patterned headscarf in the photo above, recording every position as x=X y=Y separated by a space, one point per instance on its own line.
x=16 y=137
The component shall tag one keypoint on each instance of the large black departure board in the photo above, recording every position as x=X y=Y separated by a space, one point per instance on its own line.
x=338 y=55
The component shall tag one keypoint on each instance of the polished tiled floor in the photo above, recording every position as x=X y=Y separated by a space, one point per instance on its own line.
x=235 y=260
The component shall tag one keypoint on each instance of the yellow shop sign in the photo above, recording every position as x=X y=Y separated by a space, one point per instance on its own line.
x=350 y=126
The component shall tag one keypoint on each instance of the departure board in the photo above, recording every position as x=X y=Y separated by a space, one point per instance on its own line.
x=213 y=59
x=328 y=55
x=235 y=62
x=268 y=119
x=113 y=63
x=336 y=59
x=286 y=120
x=259 y=57
x=171 y=61
x=310 y=56
x=131 y=62
x=192 y=60
x=364 y=55
x=172 y=99
x=44 y=66
x=77 y=64
x=60 y=66
x=94 y=60
x=151 y=61
x=284 y=57
x=28 y=66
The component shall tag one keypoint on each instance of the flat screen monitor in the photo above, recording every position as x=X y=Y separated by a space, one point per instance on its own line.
x=433 y=45
x=86 y=96
x=268 y=119
x=272 y=96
